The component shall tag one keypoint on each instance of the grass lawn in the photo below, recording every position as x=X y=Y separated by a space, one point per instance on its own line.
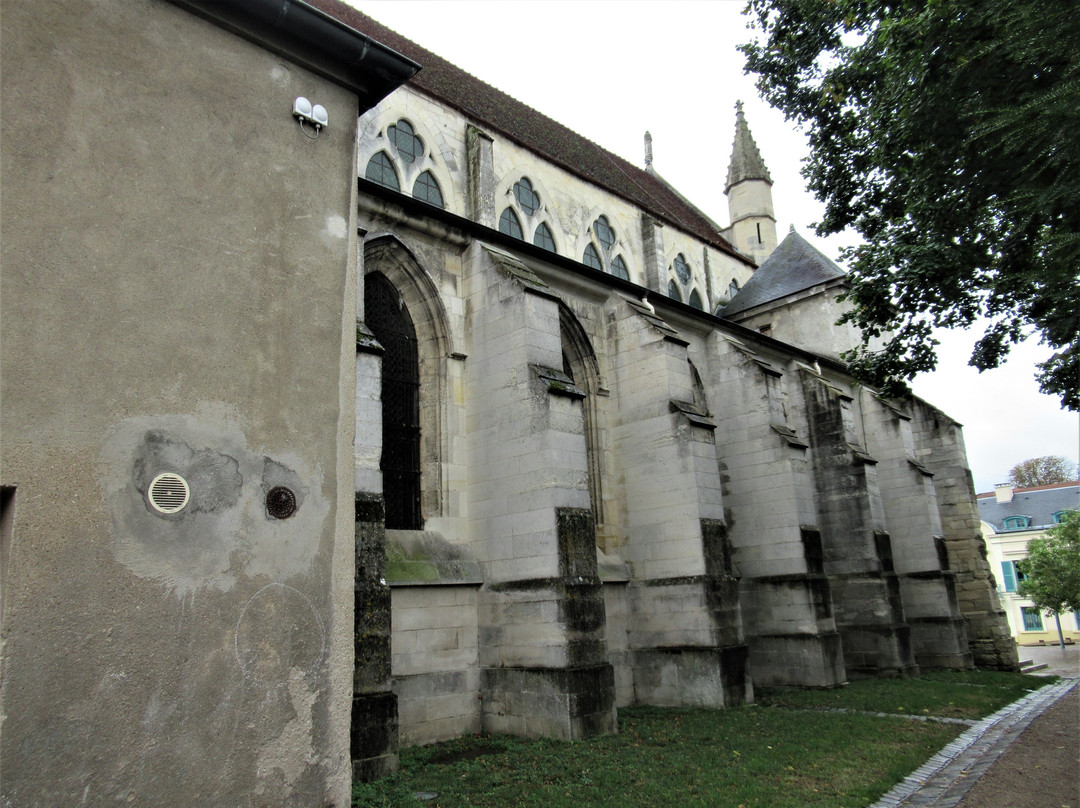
x=786 y=752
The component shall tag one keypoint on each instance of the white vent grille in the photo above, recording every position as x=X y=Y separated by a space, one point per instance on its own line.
x=169 y=493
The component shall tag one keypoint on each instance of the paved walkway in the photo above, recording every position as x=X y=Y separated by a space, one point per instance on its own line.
x=945 y=779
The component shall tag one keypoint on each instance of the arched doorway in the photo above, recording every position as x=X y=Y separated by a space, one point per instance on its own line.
x=389 y=320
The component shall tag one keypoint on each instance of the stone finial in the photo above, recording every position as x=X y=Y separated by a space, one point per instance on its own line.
x=648 y=149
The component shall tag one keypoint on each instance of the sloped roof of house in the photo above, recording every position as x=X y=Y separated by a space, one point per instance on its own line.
x=1039 y=504
x=793 y=266
x=499 y=112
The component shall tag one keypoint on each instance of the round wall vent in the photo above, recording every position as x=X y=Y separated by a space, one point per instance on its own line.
x=169 y=493
x=280 y=502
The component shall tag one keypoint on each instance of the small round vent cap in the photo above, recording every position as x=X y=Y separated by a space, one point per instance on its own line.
x=169 y=493
x=280 y=502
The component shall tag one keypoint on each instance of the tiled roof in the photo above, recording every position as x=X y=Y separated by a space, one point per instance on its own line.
x=501 y=113
x=1039 y=504
x=793 y=266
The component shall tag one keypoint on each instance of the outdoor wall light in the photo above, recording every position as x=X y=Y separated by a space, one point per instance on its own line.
x=306 y=112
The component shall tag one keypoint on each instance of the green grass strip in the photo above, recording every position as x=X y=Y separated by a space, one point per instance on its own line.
x=790 y=751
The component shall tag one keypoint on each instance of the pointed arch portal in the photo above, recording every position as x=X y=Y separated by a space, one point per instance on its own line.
x=400 y=464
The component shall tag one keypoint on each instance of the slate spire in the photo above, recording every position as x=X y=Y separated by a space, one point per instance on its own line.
x=746 y=162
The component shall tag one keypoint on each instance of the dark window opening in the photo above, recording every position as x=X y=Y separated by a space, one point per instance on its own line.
x=389 y=320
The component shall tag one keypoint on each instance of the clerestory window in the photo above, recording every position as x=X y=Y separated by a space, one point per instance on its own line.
x=408 y=144
x=599 y=252
x=544 y=238
x=426 y=189
x=510 y=224
x=381 y=171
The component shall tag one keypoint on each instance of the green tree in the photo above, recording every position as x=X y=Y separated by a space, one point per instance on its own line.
x=1052 y=568
x=1042 y=471
x=945 y=133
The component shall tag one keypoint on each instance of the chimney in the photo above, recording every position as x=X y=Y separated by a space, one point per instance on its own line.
x=1003 y=492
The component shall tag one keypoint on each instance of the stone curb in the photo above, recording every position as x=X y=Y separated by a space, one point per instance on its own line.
x=946 y=778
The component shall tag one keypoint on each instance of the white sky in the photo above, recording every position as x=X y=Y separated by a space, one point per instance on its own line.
x=612 y=70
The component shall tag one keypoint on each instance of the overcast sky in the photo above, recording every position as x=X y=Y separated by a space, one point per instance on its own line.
x=612 y=70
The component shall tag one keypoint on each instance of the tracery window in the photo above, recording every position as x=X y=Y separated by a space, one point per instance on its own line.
x=426 y=189
x=409 y=146
x=602 y=258
x=543 y=237
x=510 y=224
x=591 y=258
x=381 y=170
x=680 y=279
x=604 y=233
x=681 y=268
x=407 y=164
x=526 y=196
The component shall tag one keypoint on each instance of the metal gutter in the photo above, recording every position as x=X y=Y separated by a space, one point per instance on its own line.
x=315 y=40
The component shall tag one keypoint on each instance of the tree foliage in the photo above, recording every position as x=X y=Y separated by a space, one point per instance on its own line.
x=1052 y=568
x=1042 y=471
x=945 y=133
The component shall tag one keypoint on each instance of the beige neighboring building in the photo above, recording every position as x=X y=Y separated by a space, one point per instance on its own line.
x=349 y=403
x=1011 y=517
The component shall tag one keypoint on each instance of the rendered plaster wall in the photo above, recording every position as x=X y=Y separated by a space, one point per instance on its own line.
x=178 y=265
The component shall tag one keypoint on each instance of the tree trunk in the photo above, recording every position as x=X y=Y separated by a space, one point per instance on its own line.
x=1061 y=637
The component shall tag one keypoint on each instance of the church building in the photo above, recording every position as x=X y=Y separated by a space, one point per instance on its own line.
x=350 y=403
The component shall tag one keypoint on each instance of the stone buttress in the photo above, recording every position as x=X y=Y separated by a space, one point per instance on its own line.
x=927 y=585
x=773 y=522
x=684 y=627
x=940 y=448
x=856 y=546
x=544 y=666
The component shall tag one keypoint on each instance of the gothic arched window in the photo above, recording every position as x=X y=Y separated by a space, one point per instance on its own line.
x=381 y=170
x=427 y=190
x=510 y=224
x=543 y=238
x=389 y=320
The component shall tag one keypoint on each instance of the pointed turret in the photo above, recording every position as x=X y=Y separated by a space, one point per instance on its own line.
x=749 y=193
